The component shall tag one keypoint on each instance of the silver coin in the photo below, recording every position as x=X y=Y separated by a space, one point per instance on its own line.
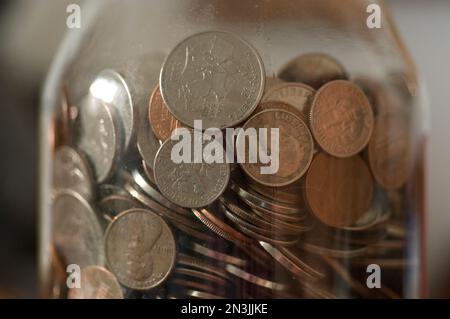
x=110 y=87
x=147 y=143
x=96 y=283
x=189 y=184
x=214 y=76
x=98 y=136
x=140 y=249
x=77 y=234
x=71 y=171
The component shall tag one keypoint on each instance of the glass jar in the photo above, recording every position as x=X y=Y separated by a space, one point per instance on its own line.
x=338 y=125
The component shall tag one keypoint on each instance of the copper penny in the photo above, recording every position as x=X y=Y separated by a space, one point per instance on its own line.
x=296 y=94
x=338 y=191
x=314 y=69
x=341 y=118
x=163 y=123
x=295 y=147
x=273 y=105
x=389 y=151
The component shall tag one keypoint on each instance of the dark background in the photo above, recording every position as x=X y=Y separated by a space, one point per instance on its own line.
x=30 y=32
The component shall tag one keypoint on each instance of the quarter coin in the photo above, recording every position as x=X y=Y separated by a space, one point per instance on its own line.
x=98 y=136
x=71 y=171
x=76 y=231
x=140 y=249
x=215 y=76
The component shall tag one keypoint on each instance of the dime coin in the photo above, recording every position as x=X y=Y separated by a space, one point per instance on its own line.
x=113 y=205
x=98 y=136
x=71 y=171
x=295 y=147
x=147 y=142
x=76 y=231
x=214 y=76
x=389 y=151
x=338 y=191
x=96 y=283
x=296 y=94
x=140 y=249
x=341 y=118
x=110 y=87
x=189 y=184
x=314 y=69
x=163 y=123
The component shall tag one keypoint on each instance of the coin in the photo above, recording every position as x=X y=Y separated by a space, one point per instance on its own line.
x=98 y=136
x=110 y=87
x=295 y=141
x=215 y=76
x=189 y=184
x=314 y=69
x=140 y=249
x=255 y=279
x=76 y=231
x=162 y=122
x=278 y=105
x=113 y=205
x=71 y=171
x=338 y=190
x=64 y=120
x=298 y=95
x=341 y=118
x=96 y=283
x=389 y=151
x=147 y=142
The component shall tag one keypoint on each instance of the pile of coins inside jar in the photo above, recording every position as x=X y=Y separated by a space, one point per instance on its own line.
x=140 y=225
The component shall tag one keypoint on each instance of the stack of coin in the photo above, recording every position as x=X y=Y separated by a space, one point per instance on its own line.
x=141 y=225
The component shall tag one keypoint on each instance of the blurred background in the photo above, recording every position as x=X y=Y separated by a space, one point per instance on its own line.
x=30 y=32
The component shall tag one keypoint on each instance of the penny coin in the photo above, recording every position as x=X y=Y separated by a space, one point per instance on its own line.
x=110 y=87
x=278 y=105
x=163 y=123
x=389 y=151
x=96 y=283
x=98 y=136
x=341 y=118
x=147 y=142
x=338 y=191
x=215 y=76
x=296 y=94
x=64 y=120
x=295 y=147
x=314 y=69
x=140 y=249
x=189 y=184
x=71 y=171
x=76 y=231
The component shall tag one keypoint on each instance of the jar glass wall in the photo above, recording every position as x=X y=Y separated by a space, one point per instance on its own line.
x=345 y=201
